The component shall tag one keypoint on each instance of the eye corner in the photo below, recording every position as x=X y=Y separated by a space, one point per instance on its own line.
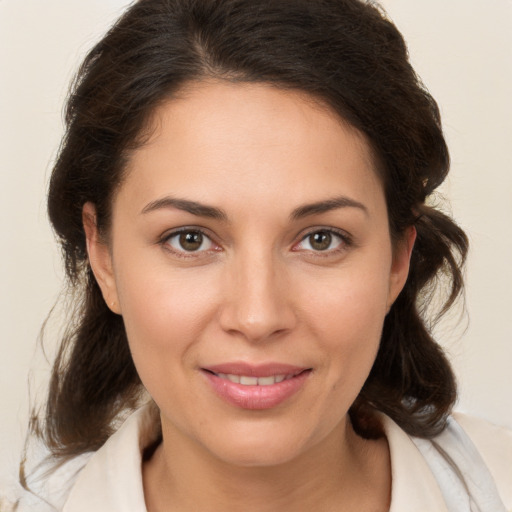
x=200 y=243
x=323 y=248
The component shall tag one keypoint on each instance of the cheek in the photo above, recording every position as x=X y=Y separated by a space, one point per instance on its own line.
x=346 y=313
x=351 y=302
x=164 y=313
x=166 y=318
x=355 y=325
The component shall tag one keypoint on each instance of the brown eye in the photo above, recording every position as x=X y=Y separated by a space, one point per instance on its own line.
x=320 y=241
x=323 y=240
x=190 y=241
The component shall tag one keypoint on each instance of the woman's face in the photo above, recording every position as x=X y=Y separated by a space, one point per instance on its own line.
x=251 y=261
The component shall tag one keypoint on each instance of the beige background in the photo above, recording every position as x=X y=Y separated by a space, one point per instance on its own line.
x=461 y=48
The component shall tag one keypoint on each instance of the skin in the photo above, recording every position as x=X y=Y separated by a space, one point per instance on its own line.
x=257 y=290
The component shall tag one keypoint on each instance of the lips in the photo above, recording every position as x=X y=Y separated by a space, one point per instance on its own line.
x=255 y=370
x=256 y=386
x=247 y=380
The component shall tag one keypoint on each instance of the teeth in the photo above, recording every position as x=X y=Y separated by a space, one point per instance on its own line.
x=254 y=381
x=266 y=381
x=248 y=381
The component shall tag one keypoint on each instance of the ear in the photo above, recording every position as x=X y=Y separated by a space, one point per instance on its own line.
x=100 y=258
x=400 y=265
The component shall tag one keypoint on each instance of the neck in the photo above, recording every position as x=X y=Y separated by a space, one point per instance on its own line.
x=343 y=473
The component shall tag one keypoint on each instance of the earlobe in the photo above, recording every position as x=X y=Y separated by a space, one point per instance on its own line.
x=100 y=258
x=401 y=263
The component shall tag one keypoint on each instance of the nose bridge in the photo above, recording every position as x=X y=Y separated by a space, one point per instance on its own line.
x=258 y=304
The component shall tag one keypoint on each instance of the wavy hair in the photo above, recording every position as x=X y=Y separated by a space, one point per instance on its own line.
x=347 y=54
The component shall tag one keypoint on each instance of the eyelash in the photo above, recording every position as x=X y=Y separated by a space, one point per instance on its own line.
x=165 y=242
x=345 y=242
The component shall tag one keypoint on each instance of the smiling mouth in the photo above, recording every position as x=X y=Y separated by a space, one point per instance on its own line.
x=248 y=380
x=256 y=387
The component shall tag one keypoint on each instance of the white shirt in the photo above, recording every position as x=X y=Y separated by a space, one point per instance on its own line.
x=468 y=468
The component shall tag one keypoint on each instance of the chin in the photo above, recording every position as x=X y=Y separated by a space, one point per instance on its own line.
x=258 y=455
x=259 y=445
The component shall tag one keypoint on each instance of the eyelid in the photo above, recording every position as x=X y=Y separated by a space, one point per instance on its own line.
x=345 y=237
x=164 y=241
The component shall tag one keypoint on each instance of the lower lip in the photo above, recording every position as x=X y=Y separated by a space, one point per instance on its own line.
x=256 y=397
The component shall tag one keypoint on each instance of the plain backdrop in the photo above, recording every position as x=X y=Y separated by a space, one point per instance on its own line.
x=462 y=49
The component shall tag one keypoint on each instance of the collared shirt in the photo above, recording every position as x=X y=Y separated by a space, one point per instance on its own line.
x=468 y=468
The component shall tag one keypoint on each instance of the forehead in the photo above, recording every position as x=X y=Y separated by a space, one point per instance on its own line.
x=218 y=140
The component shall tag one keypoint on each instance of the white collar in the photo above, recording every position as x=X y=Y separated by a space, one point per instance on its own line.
x=111 y=480
x=413 y=488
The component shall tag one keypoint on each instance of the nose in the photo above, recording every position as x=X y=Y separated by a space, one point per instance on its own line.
x=258 y=301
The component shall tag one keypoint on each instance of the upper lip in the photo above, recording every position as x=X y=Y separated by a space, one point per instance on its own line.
x=255 y=370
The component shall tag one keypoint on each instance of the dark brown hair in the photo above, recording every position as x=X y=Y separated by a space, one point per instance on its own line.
x=345 y=53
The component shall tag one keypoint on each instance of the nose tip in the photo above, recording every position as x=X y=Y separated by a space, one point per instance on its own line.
x=258 y=325
x=258 y=305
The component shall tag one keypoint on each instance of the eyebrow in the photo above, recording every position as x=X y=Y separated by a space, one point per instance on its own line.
x=193 y=207
x=202 y=210
x=326 y=206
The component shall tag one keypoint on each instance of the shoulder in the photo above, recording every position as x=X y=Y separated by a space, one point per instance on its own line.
x=48 y=485
x=494 y=443
x=105 y=480
x=112 y=478
x=469 y=462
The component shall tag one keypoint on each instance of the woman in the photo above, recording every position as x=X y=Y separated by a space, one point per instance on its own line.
x=241 y=201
